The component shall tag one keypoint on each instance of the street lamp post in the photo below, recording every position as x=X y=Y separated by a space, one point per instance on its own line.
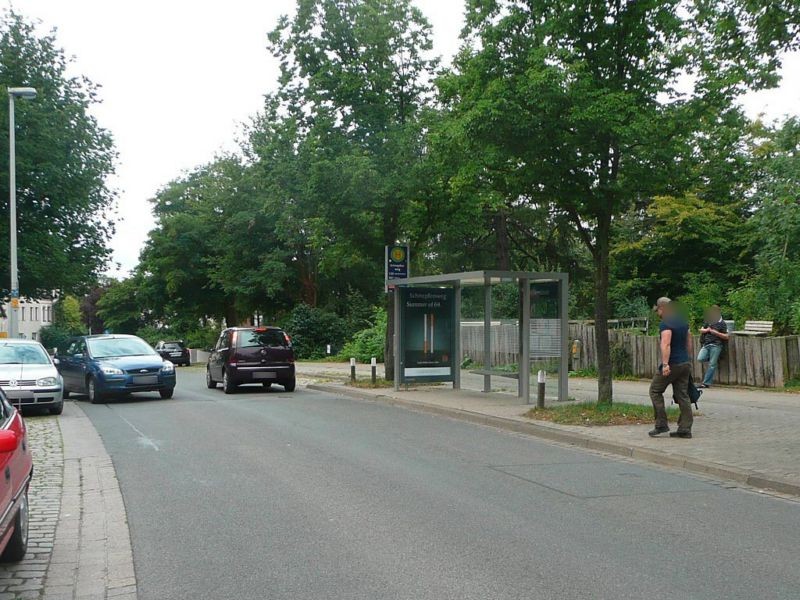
x=13 y=316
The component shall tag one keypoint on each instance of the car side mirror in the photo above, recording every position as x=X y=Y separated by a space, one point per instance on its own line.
x=77 y=356
x=8 y=441
x=56 y=361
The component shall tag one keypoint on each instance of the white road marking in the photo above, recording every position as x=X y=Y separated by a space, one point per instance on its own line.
x=143 y=440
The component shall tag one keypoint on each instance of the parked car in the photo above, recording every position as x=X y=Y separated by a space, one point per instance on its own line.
x=17 y=465
x=175 y=352
x=251 y=355
x=29 y=376
x=100 y=366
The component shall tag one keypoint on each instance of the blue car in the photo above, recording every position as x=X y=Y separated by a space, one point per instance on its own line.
x=100 y=366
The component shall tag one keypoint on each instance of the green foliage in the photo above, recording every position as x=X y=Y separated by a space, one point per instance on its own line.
x=120 y=307
x=201 y=338
x=63 y=160
x=367 y=343
x=54 y=336
x=621 y=361
x=772 y=290
x=704 y=290
x=67 y=315
x=630 y=307
x=312 y=329
x=152 y=335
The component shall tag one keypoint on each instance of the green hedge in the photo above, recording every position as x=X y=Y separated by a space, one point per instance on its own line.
x=368 y=343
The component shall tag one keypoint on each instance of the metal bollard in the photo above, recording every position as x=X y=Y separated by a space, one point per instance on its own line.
x=540 y=396
x=374 y=364
x=352 y=370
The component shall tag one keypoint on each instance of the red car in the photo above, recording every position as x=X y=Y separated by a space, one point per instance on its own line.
x=16 y=465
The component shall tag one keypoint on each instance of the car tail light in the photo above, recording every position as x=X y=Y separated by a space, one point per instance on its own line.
x=287 y=338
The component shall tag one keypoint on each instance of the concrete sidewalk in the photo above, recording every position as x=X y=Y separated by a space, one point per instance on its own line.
x=749 y=436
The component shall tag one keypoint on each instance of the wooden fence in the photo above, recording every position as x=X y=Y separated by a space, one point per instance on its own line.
x=751 y=361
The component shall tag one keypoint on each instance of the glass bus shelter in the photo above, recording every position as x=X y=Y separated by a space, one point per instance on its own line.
x=431 y=340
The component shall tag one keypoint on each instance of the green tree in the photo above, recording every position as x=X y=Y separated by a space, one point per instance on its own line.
x=355 y=76
x=63 y=160
x=771 y=291
x=120 y=307
x=67 y=314
x=575 y=105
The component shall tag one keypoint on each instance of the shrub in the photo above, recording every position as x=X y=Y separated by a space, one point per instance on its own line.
x=312 y=329
x=621 y=362
x=54 y=336
x=202 y=338
x=369 y=342
x=632 y=307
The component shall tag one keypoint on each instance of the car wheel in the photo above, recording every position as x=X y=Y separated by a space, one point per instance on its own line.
x=290 y=385
x=167 y=393
x=227 y=385
x=95 y=396
x=57 y=409
x=18 y=543
x=210 y=383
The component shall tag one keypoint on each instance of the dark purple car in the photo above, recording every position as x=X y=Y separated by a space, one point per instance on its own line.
x=251 y=355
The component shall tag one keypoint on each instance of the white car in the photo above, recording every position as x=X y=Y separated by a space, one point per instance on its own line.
x=29 y=376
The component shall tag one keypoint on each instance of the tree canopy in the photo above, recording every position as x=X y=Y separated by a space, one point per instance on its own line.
x=604 y=139
x=63 y=156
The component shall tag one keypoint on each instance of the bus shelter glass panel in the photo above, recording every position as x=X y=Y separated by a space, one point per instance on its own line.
x=546 y=335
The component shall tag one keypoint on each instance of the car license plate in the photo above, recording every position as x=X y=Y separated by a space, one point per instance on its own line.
x=174 y=353
x=145 y=379
x=262 y=375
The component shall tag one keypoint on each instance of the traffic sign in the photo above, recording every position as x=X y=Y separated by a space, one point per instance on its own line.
x=397 y=258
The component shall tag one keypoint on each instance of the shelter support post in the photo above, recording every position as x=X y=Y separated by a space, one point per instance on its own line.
x=396 y=341
x=457 y=349
x=563 y=368
x=487 y=333
x=525 y=341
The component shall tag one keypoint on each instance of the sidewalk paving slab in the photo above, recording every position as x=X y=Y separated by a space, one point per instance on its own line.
x=91 y=556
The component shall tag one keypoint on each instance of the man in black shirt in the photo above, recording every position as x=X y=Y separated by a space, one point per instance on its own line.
x=713 y=337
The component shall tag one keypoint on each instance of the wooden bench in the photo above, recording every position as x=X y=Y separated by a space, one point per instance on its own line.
x=496 y=373
x=755 y=328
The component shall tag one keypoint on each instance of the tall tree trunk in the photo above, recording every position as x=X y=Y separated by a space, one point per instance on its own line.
x=391 y=226
x=503 y=242
x=231 y=318
x=388 y=347
x=605 y=392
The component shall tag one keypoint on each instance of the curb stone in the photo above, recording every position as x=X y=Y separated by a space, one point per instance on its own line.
x=549 y=432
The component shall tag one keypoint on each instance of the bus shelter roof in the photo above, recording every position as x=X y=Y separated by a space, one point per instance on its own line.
x=476 y=278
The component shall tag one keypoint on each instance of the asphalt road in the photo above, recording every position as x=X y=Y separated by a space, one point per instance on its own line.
x=309 y=496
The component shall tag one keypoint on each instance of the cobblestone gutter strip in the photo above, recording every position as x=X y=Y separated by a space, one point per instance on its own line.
x=554 y=433
x=91 y=557
x=25 y=580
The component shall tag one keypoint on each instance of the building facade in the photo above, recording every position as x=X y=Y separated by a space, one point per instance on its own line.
x=33 y=315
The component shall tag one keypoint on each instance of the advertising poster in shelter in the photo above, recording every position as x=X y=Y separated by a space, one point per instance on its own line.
x=428 y=334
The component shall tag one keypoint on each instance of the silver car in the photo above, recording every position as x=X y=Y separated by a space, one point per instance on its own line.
x=29 y=377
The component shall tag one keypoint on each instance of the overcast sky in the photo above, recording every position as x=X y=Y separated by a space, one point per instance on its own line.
x=179 y=76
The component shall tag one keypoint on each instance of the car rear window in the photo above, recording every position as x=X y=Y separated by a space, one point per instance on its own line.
x=173 y=346
x=269 y=338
